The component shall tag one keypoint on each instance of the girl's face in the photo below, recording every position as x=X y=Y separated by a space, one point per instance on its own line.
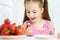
x=33 y=11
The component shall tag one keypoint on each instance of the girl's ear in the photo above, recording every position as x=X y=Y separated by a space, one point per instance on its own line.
x=42 y=10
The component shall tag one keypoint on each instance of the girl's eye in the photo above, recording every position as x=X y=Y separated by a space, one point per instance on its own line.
x=28 y=12
x=34 y=12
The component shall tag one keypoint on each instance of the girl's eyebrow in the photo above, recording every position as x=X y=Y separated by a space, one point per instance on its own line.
x=27 y=10
x=34 y=10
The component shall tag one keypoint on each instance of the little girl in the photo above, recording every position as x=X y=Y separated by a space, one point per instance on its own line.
x=36 y=19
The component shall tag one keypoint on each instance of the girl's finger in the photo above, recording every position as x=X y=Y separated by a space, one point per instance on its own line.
x=28 y=25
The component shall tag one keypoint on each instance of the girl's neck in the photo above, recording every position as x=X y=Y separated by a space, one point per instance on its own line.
x=38 y=21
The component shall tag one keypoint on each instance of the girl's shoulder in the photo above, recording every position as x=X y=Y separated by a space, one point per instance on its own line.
x=51 y=26
x=47 y=21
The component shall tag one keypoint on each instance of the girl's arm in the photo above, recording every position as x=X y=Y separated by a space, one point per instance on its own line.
x=52 y=28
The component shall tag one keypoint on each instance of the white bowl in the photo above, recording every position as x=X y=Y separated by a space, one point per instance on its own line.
x=12 y=37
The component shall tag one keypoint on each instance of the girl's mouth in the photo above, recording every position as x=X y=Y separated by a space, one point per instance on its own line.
x=32 y=18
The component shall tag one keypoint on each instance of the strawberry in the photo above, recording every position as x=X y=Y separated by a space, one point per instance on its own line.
x=20 y=30
x=12 y=27
x=7 y=21
x=5 y=32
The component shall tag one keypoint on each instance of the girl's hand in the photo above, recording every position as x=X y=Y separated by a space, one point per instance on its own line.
x=28 y=30
x=58 y=35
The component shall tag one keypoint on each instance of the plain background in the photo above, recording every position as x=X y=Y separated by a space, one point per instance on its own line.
x=14 y=10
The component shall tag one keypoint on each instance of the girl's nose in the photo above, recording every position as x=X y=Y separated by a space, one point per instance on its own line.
x=31 y=15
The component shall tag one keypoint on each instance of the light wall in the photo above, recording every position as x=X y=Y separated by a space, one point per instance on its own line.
x=54 y=10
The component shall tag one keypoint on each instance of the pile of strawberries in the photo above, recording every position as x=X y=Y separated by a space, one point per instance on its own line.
x=7 y=29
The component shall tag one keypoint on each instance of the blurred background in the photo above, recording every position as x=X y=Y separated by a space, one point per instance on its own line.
x=14 y=10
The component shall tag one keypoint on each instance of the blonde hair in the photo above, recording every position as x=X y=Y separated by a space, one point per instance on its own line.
x=44 y=4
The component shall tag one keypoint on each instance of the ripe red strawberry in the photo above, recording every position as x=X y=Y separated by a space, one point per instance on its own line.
x=20 y=30
x=7 y=21
x=6 y=24
x=12 y=27
x=5 y=32
x=3 y=26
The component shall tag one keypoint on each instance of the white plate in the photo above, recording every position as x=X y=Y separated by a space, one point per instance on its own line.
x=44 y=36
x=12 y=37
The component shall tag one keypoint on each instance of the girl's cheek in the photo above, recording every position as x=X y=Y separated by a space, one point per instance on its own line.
x=27 y=15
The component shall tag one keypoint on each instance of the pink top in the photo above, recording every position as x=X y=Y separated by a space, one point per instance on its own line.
x=46 y=29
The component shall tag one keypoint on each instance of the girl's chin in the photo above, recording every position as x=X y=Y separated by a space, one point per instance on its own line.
x=33 y=21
